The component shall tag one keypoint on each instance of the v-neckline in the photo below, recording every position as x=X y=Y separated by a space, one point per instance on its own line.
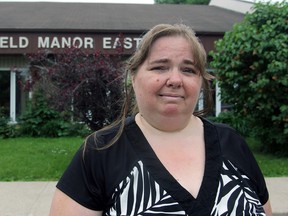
x=161 y=175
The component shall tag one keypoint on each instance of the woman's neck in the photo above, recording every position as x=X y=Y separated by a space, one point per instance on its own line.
x=167 y=126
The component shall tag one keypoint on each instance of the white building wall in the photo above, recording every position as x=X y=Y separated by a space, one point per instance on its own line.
x=233 y=5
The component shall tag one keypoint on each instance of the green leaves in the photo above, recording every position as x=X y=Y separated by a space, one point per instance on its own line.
x=251 y=64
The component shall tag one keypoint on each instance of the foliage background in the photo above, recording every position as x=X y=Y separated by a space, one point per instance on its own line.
x=89 y=86
x=252 y=70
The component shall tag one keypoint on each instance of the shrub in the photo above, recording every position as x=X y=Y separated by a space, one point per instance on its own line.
x=252 y=69
x=41 y=121
x=6 y=130
x=233 y=121
x=91 y=83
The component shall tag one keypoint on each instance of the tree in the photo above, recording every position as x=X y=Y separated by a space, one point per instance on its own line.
x=252 y=69
x=88 y=85
x=203 y=2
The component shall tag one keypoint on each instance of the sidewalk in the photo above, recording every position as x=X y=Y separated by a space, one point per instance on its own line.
x=34 y=198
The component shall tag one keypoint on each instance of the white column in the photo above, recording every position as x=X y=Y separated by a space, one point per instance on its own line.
x=12 y=97
x=30 y=94
x=201 y=101
x=217 y=99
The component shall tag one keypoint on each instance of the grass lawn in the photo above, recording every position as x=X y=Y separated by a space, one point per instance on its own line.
x=271 y=166
x=35 y=159
x=45 y=159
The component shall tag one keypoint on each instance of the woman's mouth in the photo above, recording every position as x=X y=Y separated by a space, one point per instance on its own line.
x=171 y=96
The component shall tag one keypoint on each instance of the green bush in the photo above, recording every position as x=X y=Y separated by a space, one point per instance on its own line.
x=42 y=121
x=78 y=129
x=6 y=129
x=233 y=121
x=252 y=69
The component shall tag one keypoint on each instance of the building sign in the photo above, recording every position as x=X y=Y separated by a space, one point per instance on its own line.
x=33 y=42
x=19 y=43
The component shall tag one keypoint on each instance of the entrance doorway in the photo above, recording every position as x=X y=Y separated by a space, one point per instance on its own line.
x=4 y=94
x=12 y=96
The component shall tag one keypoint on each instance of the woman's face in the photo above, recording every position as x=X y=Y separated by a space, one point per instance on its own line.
x=168 y=83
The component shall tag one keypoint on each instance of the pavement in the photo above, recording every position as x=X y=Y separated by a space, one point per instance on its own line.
x=34 y=198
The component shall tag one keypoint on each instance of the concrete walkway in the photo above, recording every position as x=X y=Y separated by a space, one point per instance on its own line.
x=34 y=198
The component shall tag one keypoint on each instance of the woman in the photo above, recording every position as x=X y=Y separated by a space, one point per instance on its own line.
x=166 y=159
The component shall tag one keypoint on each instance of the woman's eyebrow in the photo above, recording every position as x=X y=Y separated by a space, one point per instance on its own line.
x=189 y=62
x=165 y=60
x=159 y=61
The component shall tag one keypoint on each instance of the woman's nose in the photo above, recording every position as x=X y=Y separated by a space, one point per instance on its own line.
x=174 y=79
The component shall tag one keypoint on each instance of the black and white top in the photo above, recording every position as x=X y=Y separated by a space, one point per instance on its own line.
x=128 y=178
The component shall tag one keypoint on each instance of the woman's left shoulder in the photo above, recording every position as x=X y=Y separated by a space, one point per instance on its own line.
x=223 y=130
x=231 y=142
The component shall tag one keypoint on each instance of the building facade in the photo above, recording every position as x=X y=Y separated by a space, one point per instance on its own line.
x=31 y=27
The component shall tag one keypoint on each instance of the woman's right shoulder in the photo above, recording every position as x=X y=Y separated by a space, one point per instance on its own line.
x=100 y=138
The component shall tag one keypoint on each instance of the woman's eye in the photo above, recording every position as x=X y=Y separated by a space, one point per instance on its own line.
x=189 y=70
x=159 y=68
